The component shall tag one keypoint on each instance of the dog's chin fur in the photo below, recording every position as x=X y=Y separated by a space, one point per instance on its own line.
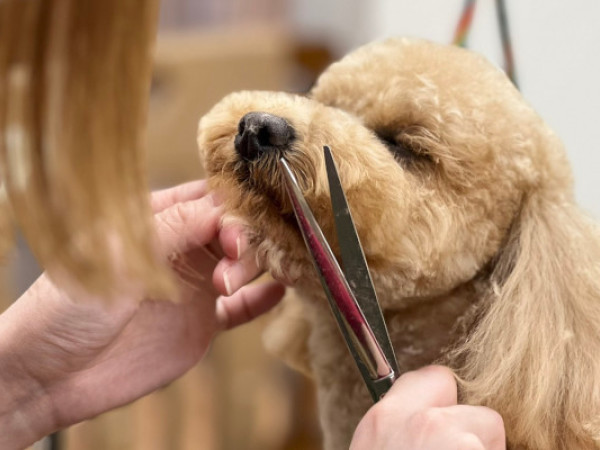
x=480 y=258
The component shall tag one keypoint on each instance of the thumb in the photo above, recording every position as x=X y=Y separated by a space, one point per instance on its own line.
x=431 y=386
x=188 y=225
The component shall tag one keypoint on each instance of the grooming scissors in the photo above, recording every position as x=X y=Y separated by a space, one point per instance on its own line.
x=350 y=292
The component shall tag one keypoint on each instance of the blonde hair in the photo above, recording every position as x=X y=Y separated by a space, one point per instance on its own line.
x=74 y=83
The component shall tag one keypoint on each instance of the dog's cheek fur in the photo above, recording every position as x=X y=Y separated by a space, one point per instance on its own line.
x=463 y=203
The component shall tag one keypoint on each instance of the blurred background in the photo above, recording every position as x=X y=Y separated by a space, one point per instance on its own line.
x=226 y=45
x=239 y=397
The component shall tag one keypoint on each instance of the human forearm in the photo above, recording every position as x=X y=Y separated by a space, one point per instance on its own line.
x=26 y=413
x=24 y=420
x=67 y=356
x=49 y=346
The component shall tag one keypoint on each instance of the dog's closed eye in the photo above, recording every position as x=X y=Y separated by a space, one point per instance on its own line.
x=401 y=149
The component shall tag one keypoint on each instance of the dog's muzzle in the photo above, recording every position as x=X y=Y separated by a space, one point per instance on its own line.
x=260 y=134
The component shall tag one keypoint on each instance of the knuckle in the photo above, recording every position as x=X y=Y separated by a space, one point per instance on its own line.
x=377 y=421
x=409 y=377
x=174 y=218
x=183 y=213
x=184 y=216
x=441 y=379
x=497 y=419
x=182 y=225
x=444 y=376
x=496 y=424
x=428 y=421
x=168 y=222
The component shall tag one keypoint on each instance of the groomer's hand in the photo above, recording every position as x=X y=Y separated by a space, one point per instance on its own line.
x=67 y=356
x=420 y=412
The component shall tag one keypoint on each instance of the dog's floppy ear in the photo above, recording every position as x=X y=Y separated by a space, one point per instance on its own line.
x=534 y=355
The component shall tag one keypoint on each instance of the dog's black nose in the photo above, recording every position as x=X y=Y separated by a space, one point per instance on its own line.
x=260 y=133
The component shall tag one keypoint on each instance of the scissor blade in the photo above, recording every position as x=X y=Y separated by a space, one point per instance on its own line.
x=370 y=358
x=354 y=262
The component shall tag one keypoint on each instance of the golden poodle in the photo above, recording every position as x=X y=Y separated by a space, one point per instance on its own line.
x=463 y=201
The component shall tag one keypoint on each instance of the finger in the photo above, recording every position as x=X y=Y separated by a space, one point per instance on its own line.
x=230 y=275
x=483 y=422
x=214 y=251
x=431 y=386
x=195 y=268
x=248 y=303
x=188 y=225
x=233 y=240
x=194 y=190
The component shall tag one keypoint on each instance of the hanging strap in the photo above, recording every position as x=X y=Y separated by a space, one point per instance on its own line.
x=509 y=63
x=464 y=26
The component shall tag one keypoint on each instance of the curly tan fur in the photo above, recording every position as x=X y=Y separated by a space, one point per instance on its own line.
x=480 y=258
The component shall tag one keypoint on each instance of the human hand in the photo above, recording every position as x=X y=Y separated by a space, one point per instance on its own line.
x=66 y=357
x=420 y=412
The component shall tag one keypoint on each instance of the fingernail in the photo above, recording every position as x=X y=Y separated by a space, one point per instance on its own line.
x=241 y=244
x=227 y=283
x=234 y=278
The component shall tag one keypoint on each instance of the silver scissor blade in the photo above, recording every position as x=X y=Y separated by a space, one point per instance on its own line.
x=362 y=343
x=354 y=262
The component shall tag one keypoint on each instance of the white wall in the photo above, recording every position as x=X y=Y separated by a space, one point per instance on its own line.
x=557 y=53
